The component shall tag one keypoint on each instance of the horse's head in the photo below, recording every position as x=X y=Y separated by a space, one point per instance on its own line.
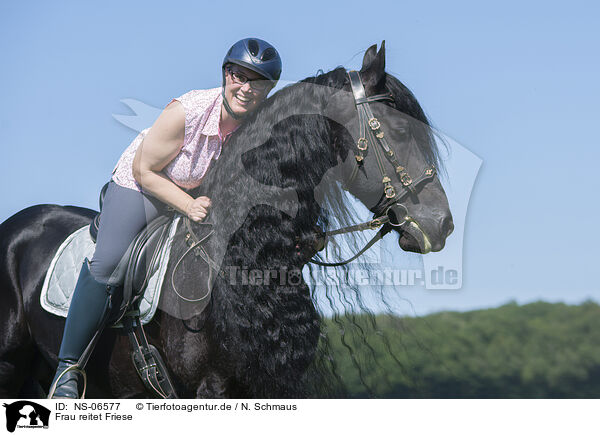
x=391 y=163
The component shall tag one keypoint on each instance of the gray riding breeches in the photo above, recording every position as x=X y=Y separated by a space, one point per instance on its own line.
x=125 y=212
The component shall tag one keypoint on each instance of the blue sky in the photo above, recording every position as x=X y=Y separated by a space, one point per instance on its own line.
x=515 y=83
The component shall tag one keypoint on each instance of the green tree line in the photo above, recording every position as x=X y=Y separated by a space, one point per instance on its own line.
x=539 y=350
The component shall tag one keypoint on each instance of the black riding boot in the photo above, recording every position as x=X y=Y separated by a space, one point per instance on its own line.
x=87 y=314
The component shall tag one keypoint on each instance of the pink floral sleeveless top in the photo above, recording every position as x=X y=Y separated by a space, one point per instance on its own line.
x=202 y=143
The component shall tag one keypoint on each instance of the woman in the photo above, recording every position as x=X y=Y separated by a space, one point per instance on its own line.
x=154 y=172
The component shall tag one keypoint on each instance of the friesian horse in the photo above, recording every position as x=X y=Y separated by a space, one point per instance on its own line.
x=258 y=335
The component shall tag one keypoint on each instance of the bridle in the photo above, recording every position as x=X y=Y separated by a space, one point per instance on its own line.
x=390 y=210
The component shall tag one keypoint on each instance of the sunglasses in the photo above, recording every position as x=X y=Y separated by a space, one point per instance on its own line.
x=259 y=84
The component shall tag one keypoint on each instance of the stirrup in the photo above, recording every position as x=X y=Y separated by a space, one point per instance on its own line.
x=74 y=367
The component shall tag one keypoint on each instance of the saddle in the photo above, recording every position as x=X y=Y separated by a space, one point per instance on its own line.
x=139 y=263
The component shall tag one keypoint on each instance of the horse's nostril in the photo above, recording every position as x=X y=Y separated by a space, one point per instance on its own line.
x=447 y=226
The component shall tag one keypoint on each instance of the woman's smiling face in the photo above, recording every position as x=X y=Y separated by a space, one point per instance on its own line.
x=243 y=98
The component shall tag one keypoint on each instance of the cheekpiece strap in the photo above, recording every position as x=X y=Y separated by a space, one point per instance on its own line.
x=358 y=90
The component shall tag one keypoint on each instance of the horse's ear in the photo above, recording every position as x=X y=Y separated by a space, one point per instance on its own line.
x=373 y=69
x=369 y=56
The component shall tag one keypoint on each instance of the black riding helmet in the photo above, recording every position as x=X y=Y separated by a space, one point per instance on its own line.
x=256 y=55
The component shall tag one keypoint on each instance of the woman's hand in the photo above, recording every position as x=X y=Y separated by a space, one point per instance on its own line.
x=197 y=209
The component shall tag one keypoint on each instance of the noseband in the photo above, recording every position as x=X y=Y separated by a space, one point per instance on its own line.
x=390 y=210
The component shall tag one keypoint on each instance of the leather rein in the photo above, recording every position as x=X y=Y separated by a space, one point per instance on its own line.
x=390 y=211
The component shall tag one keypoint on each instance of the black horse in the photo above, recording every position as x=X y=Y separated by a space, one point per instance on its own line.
x=255 y=337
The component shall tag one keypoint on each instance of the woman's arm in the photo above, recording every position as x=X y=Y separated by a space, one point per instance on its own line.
x=161 y=145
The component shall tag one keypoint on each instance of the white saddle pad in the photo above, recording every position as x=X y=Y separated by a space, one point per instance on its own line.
x=65 y=266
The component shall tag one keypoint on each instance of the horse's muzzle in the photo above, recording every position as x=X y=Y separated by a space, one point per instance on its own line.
x=416 y=237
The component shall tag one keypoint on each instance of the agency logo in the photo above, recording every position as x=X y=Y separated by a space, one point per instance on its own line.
x=27 y=415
